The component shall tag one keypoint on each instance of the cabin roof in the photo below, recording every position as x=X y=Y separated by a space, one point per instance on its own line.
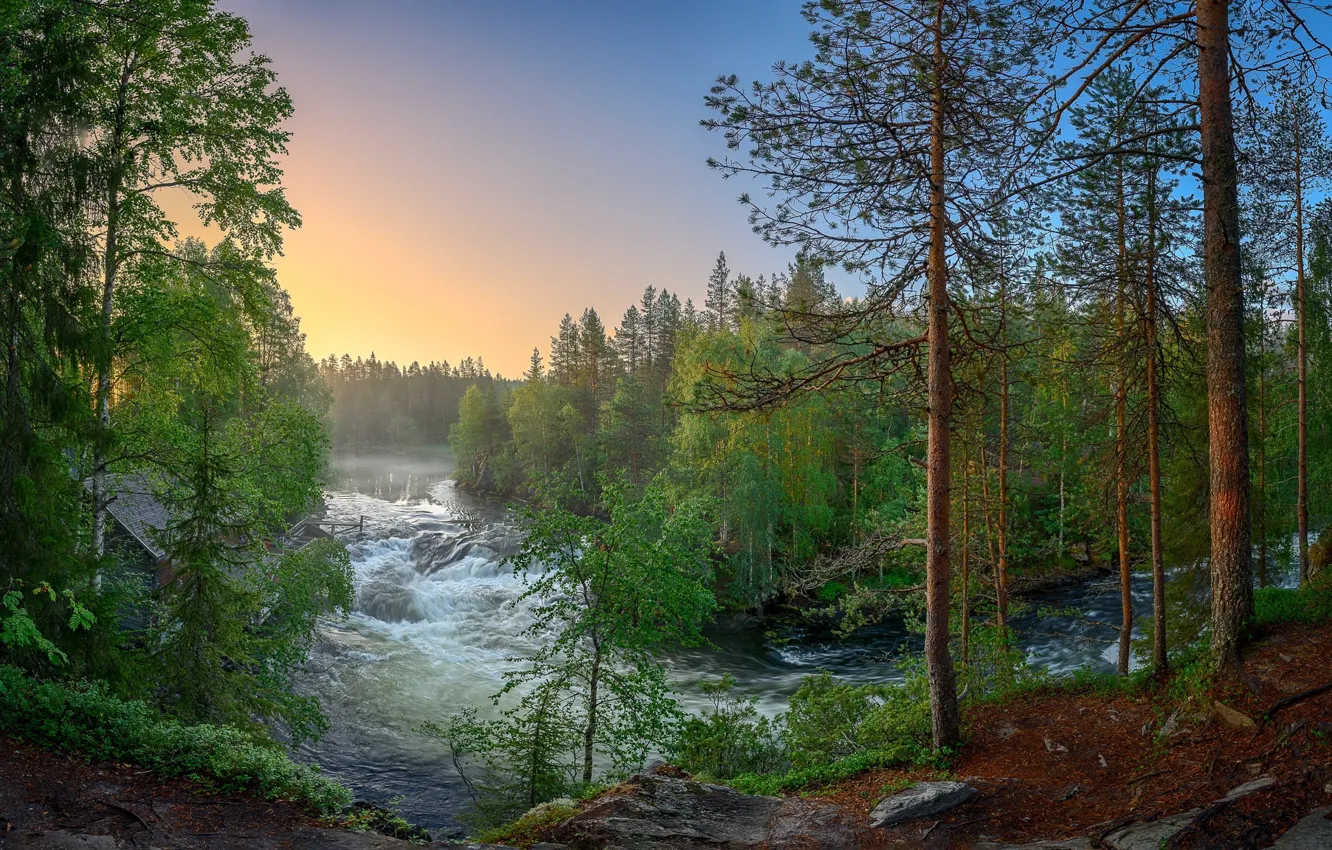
x=136 y=508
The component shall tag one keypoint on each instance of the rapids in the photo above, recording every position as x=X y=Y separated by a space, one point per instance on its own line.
x=437 y=622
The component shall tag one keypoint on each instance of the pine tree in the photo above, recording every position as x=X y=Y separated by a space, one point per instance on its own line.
x=720 y=300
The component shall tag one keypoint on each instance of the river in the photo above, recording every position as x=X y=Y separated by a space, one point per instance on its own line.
x=436 y=622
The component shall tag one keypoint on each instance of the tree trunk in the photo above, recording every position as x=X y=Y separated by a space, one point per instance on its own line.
x=1302 y=366
x=1261 y=507
x=966 y=555
x=1159 y=658
x=1228 y=436
x=945 y=722
x=1121 y=437
x=110 y=265
x=1001 y=571
x=590 y=730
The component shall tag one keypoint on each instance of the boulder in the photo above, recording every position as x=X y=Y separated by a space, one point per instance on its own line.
x=1312 y=833
x=1151 y=835
x=1249 y=787
x=659 y=811
x=919 y=801
x=1057 y=844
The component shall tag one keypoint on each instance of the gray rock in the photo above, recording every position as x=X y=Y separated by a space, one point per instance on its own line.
x=1312 y=833
x=919 y=801
x=1171 y=726
x=1249 y=787
x=1064 y=844
x=664 y=812
x=62 y=840
x=1152 y=834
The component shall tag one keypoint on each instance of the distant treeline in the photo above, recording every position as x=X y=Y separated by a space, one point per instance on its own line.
x=377 y=404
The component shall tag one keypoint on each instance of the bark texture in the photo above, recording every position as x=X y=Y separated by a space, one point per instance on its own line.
x=938 y=662
x=1228 y=436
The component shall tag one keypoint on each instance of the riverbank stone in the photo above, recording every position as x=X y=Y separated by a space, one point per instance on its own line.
x=1151 y=835
x=920 y=800
x=1312 y=833
x=662 y=812
x=1057 y=844
x=1230 y=717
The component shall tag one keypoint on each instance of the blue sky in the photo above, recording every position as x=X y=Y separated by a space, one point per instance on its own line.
x=470 y=171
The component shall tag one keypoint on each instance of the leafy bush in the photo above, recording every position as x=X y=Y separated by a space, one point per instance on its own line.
x=730 y=740
x=829 y=720
x=84 y=718
x=1309 y=604
x=832 y=591
x=996 y=669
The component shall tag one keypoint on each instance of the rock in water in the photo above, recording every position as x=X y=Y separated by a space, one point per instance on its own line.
x=919 y=801
x=1312 y=833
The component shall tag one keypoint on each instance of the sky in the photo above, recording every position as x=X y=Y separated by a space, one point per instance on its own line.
x=470 y=170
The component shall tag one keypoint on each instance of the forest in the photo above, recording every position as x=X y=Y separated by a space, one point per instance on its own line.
x=1088 y=329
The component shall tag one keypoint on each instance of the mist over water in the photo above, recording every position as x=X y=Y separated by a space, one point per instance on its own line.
x=437 y=621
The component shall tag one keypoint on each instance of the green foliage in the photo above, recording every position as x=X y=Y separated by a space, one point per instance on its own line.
x=18 y=631
x=85 y=719
x=816 y=775
x=728 y=740
x=236 y=619
x=828 y=720
x=1309 y=604
x=528 y=828
x=611 y=594
x=385 y=820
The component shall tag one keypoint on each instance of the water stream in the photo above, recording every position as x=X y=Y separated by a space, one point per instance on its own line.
x=436 y=622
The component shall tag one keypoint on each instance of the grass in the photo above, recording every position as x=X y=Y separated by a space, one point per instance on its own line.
x=817 y=776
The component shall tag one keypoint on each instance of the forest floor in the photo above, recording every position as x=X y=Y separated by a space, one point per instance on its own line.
x=1062 y=765
x=1056 y=764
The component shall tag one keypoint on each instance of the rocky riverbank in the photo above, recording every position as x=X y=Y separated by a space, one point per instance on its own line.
x=1057 y=769
x=1063 y=768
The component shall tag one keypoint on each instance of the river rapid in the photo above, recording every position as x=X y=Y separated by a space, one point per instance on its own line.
x=437 y=620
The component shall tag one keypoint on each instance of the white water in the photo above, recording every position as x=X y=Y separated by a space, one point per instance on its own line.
x=438 y=620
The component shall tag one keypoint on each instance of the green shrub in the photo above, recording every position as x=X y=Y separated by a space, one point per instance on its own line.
x=1309 y=604
x=829 y=720
x=813 y=776
x=832 y=591
x=730 y=740
x=84 y=718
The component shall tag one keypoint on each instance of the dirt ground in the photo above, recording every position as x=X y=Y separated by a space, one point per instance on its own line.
x=1057 y=766
x=49 y=800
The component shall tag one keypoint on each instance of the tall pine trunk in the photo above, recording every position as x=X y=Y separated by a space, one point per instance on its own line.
x=945 y=722
x=1121 y=437
x=1302 y=366
x=966 y=554
x=1001 y=573
x=1228 y=436
x=1159 y=659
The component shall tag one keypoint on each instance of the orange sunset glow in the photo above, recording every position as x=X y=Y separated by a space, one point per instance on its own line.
x=457 y=205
